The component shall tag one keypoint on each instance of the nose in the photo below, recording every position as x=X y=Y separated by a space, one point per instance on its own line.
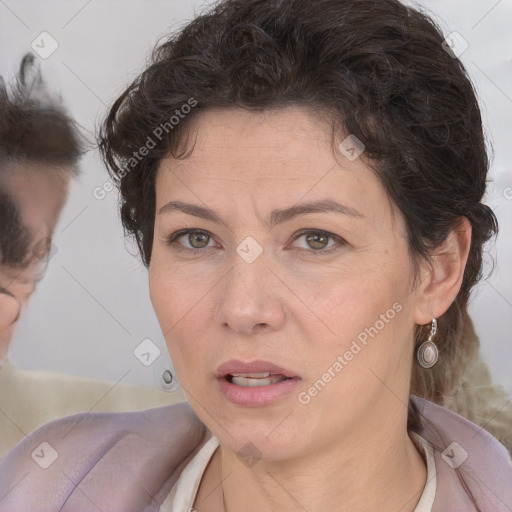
x=250 y=300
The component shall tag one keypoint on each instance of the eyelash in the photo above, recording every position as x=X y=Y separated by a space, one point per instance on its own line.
x=178 y=234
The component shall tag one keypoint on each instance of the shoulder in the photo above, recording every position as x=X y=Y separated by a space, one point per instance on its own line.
x=474 y=468
x=30 y=399
x=120 y=461
x=49 y=395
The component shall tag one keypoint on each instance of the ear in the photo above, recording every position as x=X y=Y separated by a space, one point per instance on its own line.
x=442 y=279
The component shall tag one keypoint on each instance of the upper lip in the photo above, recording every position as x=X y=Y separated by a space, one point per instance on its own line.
x=235 y=366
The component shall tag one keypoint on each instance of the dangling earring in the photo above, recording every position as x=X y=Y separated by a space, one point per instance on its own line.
x=427 y=353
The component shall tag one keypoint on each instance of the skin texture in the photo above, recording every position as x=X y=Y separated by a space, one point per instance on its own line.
x=9 y=308
x=40 y=193
x=350 y=440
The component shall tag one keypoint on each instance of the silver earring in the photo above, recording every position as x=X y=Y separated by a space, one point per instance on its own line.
x=427 y=353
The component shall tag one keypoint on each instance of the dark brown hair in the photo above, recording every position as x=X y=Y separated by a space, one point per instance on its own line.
x=34 y=127
x=379 y=67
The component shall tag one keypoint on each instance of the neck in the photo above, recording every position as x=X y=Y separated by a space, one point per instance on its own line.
x=385 y=472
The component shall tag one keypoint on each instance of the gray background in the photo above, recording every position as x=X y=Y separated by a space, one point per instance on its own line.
x=93 y=308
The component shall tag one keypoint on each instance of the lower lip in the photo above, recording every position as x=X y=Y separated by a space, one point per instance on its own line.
x=259 y=395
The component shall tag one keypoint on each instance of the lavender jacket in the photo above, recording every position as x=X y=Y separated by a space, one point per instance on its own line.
x=128 y=462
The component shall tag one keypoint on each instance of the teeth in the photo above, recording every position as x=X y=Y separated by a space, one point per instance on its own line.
x=252 y=375
x=258 y=381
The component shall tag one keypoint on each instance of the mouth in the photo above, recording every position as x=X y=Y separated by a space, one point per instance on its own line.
x=257 y=383
x=255 y=373
x=252 y=380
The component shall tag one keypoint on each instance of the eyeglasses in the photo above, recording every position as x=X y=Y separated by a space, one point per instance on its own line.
x=42 y=253
x=30 y=272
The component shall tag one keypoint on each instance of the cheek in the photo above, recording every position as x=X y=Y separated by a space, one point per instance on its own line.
x=9 y=309
x=351 y=292
x=179 y=301
x=164 y=295
x=363 y=311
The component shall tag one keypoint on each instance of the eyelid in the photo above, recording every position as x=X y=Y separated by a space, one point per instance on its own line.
x=182 y=232
x=340 y=241
x=172 y=241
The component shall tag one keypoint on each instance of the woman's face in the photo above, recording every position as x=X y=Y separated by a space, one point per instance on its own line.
x=258 y=287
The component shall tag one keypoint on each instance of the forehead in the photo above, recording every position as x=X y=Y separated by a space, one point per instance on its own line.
x=39 y=192
x=228 y=137
x=276 y=157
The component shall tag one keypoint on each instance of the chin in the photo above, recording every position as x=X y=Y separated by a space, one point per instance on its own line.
x=259 y=440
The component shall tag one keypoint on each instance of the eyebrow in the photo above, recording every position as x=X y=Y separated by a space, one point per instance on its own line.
x=276 y=217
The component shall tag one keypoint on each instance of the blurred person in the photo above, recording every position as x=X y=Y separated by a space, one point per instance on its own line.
x=312 y=225
x=471 y=391
x=40 y=147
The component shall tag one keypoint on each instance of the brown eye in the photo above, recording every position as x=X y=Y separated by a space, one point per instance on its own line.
x=198 y=238
x=316 y=240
